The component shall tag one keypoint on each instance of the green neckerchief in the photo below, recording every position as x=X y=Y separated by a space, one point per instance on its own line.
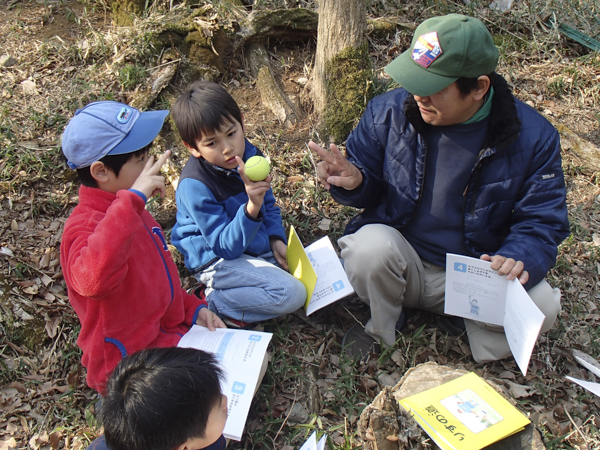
x=484 y=110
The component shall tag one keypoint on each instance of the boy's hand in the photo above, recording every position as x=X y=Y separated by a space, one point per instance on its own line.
x=279 y=252
x=209 y=319
x=149 y=182
x=256 y=190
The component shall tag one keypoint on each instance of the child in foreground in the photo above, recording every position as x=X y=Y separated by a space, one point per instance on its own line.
x=121 y=278
x=228 y=228
x=164 y=399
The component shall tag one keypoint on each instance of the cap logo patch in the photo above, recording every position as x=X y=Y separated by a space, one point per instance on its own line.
x=427 y=49
x=124 y=115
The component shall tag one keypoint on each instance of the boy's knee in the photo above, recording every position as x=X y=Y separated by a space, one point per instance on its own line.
x=297 y=297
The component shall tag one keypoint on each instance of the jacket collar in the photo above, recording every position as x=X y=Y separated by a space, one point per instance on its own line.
x=100 y=199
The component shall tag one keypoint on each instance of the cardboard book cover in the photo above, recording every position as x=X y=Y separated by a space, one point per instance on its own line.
x=464 y=414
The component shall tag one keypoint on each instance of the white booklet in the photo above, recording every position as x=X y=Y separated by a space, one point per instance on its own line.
x=589 y=385
x=319 y=269
x=312 y=444
x=240 y=354
x=475 y=291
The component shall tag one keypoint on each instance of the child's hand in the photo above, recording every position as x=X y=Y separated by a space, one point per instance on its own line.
x=279 y=252
x=209 y=319
x=149 y=182
x=256 y=190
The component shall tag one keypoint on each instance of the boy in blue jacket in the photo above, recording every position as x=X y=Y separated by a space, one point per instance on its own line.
x=228 y=228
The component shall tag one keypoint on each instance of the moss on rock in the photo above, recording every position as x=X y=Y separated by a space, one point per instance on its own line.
x=124 y=10
x=381 y=28
x=297 y=19
x=349 y=88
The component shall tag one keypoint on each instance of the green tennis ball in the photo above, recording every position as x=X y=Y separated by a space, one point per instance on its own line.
x=257 y=168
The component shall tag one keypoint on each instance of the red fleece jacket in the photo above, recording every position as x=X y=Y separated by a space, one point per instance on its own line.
x=122 y=281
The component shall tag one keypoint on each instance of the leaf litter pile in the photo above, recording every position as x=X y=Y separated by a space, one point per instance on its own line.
x=58 y=56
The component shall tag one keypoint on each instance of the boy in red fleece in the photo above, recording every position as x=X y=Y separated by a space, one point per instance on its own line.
x=121 y=278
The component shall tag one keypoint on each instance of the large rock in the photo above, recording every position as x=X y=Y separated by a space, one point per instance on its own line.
x=384 y=425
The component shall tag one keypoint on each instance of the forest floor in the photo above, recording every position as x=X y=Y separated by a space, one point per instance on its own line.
x=66 y=54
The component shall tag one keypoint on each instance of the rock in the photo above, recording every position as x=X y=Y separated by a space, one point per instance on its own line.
x=502 y=5
x=29 y=87
x=7 y=61
x=572 y=144
x=383 y=425
x=298 y=414
x=389 y=379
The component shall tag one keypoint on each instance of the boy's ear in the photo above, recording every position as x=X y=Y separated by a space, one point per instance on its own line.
x=192 y=150
x=243 y=126
x=99 y=172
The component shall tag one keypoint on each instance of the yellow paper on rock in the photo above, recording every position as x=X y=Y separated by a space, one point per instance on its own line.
x=300 y=266
x=464 y=414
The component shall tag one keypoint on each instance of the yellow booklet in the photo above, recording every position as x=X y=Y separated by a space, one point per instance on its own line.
x=464 y=414
x=300 y=265
x=319 y=269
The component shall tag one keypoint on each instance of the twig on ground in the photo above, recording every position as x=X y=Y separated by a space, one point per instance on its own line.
x=284 y=421
x=578 y=430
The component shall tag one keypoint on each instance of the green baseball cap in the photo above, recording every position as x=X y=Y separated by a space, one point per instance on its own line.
x=443 y=50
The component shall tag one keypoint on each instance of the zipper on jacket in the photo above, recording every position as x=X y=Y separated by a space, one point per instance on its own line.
x=422 y=139
x=164 y=262
x=484 y=153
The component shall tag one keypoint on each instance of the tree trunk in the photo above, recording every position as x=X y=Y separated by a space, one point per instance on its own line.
x=342 y=72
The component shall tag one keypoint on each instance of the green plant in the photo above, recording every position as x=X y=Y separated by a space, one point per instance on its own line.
x=131 y=75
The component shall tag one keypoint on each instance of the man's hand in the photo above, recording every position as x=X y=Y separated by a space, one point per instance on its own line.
x=508 y=266
x=149 y=182
x=256 y=190
x=335 y=169
x=279 y=252
x=209 y=319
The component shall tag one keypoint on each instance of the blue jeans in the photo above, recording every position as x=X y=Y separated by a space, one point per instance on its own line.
x=251 y=289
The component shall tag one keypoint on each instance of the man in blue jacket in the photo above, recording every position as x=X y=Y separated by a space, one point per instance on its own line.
x=449 y=163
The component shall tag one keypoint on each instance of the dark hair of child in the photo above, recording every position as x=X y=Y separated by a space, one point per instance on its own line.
x=159 y=398
x=203 y=108
x=113 y=162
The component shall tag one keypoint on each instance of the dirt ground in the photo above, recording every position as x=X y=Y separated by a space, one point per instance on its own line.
x=65 y=55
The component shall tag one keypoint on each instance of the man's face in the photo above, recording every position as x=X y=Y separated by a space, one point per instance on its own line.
x=448 y=106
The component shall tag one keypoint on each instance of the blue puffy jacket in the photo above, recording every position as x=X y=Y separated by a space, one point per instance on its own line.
x=514 y=202
x=212 y=221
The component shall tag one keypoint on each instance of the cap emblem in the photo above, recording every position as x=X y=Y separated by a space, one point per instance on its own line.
x=427 y=49
x=124 y=115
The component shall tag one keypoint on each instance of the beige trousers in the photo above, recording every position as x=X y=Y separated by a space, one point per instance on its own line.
x=388 y=274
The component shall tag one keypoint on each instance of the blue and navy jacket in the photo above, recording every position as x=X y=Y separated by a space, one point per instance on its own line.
x=212 y=221
x=515 y=199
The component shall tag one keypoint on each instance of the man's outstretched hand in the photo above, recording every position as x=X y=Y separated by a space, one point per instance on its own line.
x=334 y=169
x=509 y=267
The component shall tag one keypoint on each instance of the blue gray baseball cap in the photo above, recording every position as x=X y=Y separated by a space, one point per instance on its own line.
x=108 y=128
